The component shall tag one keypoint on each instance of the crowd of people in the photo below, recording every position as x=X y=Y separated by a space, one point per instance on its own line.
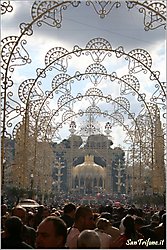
x=75 y=226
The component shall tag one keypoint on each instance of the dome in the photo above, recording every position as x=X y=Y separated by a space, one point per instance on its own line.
x=89 y=168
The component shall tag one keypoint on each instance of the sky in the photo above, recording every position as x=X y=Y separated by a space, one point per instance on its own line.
x=120 y=27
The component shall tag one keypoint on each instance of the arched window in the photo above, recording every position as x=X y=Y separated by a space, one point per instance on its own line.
x=76 y=182
x=95 y=182
x=100 y=182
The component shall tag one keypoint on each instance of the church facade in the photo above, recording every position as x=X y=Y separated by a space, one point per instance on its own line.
x=90 y=168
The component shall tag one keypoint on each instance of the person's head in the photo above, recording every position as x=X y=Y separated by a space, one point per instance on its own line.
x=20 y=212
x=164 y=220
x=102 y=224
x=30 y=219
x=51 y=233
x=88 y=239
x=56 y=212
x=4 y=209
x=84 y=218
x=69 y=209
x=138 y=223
x=161 y=212
x=106 y=215
x=96 y=217
x=14 y=227
x=131 y=211
x=46 y=212
x=40 y=209
x=3 y=220
x=129 y=225
x=155 y=219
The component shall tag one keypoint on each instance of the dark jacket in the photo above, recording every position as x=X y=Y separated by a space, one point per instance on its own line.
x=11 y=243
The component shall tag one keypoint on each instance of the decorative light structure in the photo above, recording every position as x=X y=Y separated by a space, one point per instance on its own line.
x=119 y=176
x=72 y=128
x=31 y=183
x=59 y=166
x=31 y=100
x=108 y=128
